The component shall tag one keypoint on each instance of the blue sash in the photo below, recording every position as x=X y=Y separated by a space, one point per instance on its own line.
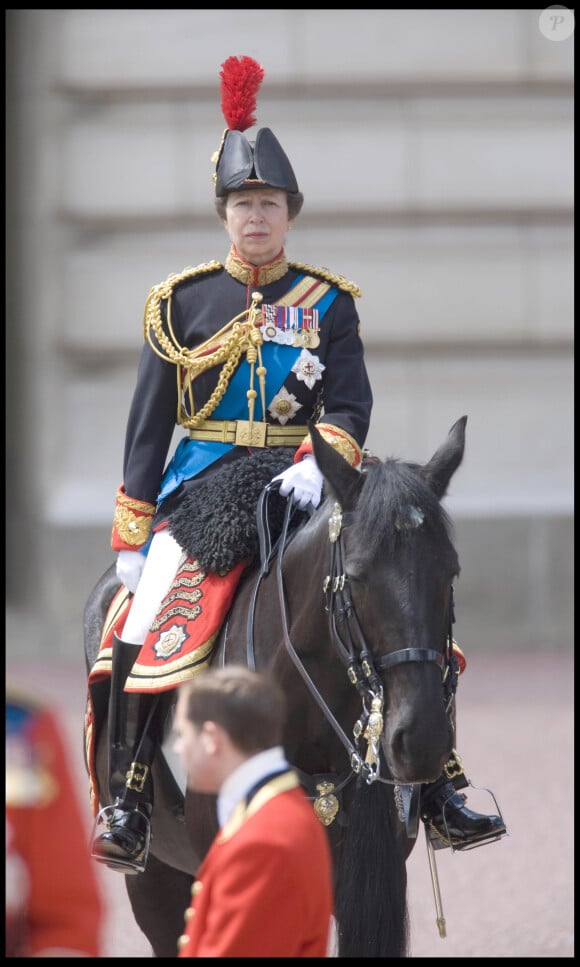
x=193 y=456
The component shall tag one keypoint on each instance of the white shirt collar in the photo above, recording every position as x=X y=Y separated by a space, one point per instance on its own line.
x=240 y=781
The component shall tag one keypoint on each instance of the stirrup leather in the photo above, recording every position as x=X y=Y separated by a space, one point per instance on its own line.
x=136 y=777
x=453 y=770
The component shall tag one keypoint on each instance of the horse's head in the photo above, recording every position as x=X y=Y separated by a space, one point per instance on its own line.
x=393 y=564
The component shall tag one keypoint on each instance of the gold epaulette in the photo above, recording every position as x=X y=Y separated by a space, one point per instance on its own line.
x=337 y=280
x=164 y=289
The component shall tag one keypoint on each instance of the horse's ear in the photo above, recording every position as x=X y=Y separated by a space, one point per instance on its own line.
x=445 y=461
x=342 y=479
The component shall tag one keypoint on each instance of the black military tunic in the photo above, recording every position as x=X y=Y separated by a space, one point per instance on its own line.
x=329 y=384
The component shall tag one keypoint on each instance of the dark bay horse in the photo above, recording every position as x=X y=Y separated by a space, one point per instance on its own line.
x=352 y=614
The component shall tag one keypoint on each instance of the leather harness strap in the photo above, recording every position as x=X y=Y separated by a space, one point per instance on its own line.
x=351 y=646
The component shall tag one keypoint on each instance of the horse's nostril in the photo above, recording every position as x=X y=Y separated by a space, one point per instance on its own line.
x=415 y=754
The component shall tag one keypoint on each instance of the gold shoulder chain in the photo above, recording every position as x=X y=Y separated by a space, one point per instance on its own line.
x=338 y=280
x=152 y=311
x=225 y=347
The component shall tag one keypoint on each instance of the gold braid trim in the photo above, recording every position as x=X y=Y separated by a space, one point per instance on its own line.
x=131 y=523
x=224 y=348
x=338 y=280
x=216 y=155
x=163 y=290
x=339 y=439
x=250 y=274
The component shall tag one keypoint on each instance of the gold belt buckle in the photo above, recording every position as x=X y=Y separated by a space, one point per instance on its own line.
x=250 y=434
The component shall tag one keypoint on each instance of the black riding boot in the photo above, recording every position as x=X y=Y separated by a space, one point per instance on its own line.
x=448 y=821
x=134 y=723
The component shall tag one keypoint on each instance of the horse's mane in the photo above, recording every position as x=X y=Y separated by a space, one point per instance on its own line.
x=393 y=492
x=216 y=521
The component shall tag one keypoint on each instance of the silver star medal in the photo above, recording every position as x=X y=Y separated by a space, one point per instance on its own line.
x=308 y=368
x=284 y=406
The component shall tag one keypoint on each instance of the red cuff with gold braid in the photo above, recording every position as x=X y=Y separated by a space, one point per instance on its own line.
x=339 y=439
x=461 y=659
x=131 y=523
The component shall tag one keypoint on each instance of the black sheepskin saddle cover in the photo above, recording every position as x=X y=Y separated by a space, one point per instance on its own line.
x=216 y=522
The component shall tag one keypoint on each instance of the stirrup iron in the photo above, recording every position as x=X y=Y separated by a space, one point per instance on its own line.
x=436 y=839
x=105 y=818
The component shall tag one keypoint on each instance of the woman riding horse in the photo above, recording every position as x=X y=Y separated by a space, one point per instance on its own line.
x=240 y=355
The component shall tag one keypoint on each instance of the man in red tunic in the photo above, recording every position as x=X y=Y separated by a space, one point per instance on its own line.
x=264 y=888
x=54 y=907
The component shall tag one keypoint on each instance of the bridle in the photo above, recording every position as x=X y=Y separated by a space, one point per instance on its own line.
x=362 y=669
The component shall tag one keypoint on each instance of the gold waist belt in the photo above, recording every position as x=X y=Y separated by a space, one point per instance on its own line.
x=244 y=434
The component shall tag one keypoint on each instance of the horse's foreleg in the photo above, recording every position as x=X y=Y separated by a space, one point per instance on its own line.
x=159 y=898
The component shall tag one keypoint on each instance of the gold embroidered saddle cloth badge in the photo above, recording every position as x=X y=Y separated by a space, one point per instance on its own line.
x=179 y=644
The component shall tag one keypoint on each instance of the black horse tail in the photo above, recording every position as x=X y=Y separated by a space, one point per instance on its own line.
x=371 y=886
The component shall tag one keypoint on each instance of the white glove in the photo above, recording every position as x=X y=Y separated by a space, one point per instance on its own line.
x=130 y=566
x=303 y=480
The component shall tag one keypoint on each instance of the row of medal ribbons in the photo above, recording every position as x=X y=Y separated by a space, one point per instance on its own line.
x=290 y=326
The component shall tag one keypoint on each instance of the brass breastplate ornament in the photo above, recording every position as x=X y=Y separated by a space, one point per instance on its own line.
x=326 y=804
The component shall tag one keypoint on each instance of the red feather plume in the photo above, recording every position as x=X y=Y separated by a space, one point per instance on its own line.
x=241 y=78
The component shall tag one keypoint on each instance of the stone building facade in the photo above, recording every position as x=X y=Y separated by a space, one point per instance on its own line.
x=434 y=150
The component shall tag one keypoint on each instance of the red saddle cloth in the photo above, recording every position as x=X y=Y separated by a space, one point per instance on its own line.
x=181 y=638
x=178 y=646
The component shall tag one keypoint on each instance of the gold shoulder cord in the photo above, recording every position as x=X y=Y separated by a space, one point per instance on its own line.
x=338 y=280
x=238 y=335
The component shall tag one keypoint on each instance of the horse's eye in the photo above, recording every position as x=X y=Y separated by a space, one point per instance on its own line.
x=356 y=577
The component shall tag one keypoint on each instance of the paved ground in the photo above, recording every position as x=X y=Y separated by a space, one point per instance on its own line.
x=513 y=898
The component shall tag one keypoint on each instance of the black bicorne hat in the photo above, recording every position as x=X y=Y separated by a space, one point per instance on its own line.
x=241 y=163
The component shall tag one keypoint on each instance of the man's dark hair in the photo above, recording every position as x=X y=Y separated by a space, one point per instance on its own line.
x=249 y=705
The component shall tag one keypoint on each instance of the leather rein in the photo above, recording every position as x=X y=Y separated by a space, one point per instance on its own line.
x=363 y=671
